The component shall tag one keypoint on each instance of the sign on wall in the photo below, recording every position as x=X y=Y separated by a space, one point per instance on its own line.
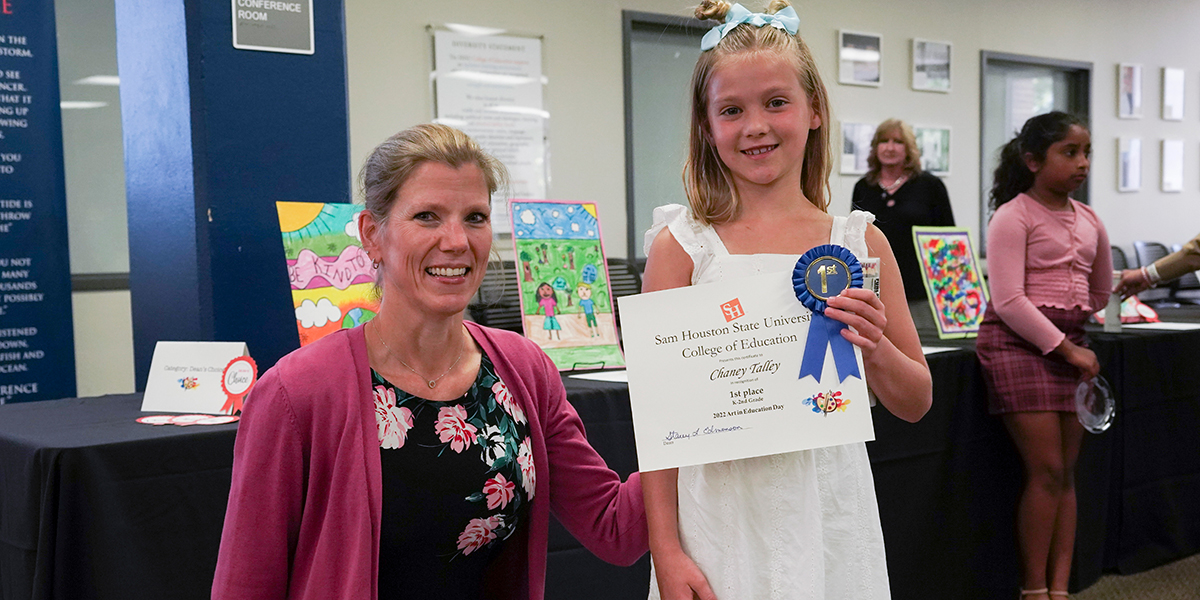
x=490 y=87
x=37 y=355
x=273 y=25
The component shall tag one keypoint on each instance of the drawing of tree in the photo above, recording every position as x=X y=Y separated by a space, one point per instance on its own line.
x=525 y=260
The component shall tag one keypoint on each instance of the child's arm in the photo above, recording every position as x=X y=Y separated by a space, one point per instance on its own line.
x=895 y=364
x=1100 y=281
x=669 y=266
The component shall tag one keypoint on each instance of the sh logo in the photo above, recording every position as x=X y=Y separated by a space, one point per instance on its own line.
x=732 y=310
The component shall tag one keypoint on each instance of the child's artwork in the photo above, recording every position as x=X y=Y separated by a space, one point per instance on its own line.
x=950 y=269
x=566 y=304
x=332 y=278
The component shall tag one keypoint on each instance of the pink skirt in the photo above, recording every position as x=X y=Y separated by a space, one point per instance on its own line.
x=1019 y=377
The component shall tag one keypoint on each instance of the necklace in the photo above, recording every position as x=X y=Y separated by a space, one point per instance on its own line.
x=430 y=382
x=888 y=189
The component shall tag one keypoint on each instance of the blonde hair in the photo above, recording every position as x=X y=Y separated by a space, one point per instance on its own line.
x=392 y=162
x=706 y=179
x=912 y=154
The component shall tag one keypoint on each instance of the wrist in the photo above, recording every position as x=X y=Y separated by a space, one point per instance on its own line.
x=1151 y=273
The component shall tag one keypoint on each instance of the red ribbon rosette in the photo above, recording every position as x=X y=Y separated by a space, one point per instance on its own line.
x=237 y=379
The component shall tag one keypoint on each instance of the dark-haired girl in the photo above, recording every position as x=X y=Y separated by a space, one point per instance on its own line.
x=1050 y=268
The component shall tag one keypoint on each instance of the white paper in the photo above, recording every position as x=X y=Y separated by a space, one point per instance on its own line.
x=1164 y=326
x=710 y=381
x=1173 y=94
x=185 y=377
x=1129 y=164
x=927 y=350
x=491 y=88
x=1172 y=165
x=613 y=376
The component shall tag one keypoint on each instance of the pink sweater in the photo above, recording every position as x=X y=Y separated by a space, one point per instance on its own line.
x=304 y=507
x=1040 y=257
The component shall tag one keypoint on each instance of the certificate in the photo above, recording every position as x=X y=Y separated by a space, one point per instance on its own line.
x=720 y=372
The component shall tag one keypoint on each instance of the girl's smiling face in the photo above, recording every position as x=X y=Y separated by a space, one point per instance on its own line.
x=759 y=118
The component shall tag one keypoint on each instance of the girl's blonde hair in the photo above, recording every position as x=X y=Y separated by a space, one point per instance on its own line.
x=912 y=154
x=706 y=179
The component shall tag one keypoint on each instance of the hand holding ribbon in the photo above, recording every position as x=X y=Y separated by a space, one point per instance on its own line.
x=820 y=275
x=785 y=19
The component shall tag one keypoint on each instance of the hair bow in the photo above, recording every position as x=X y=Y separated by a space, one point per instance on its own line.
x=785 y=19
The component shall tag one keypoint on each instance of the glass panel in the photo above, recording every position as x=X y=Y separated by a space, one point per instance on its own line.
x=661 y=66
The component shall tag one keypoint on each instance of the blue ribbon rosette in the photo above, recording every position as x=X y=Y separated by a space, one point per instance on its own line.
x=820 y=274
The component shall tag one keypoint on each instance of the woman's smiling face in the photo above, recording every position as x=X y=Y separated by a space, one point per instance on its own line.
x=435 y=244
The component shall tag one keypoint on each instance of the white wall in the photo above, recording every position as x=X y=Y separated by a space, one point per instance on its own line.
x=389 y=58
x=103 y=343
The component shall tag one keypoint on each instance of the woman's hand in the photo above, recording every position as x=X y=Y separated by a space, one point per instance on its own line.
x=1133 y=281
x=679 y=578
x=1081 y=358
x=861 y=309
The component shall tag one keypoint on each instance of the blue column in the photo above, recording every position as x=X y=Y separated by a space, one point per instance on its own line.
x=214 y=136
x=37 y=351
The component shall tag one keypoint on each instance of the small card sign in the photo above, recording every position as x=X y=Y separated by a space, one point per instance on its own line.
x=199 y=377
x=273 y=25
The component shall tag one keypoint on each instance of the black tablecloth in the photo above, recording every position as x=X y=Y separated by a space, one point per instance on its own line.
x=95 y=505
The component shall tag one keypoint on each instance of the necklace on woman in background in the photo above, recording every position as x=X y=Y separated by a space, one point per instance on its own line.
x=889 y=189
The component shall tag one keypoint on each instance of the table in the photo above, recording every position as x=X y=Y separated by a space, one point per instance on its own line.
x=94 y=505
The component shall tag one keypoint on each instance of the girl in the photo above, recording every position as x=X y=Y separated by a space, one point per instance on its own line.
x=547 y=302
x=1050 y=268
x=805 y=524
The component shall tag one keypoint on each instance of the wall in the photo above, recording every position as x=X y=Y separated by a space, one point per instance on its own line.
x=389 y=56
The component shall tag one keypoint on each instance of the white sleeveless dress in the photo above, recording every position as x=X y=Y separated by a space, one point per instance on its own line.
x=796 y=526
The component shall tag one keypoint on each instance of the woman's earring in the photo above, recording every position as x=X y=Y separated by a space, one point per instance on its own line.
x=375 y=263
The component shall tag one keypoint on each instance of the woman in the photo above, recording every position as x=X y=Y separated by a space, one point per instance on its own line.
x=417 y=456
x=1168 y=268
x=901 y=196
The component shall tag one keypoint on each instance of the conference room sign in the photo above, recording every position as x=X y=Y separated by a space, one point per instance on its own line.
x=37 y=356
x=273 y=25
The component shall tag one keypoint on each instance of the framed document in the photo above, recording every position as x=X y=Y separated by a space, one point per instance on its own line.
x=738 y=369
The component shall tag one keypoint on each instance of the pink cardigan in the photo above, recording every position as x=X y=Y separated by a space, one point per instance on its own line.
x=304 y=507
x=1040 y=257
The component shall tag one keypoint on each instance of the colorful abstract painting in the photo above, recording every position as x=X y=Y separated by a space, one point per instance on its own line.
x=332 y=278
x=566 y=304
x=957 y=294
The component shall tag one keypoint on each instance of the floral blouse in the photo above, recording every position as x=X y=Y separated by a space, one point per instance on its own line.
x=458 y=476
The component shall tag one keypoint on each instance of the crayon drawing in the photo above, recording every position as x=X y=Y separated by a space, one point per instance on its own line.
x=332 y=278
x=565 y=300
x=950 y=269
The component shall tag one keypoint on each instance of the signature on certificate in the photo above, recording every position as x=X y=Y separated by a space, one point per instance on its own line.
x=672 y=436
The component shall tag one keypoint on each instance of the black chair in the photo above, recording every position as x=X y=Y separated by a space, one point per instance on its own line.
x=623 y=280
x=1163 y=296
x=1120 y=263
x=498 y=302
x=1187 y=288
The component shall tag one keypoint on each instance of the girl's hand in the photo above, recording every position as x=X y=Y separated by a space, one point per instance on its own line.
x=679 y=578
x=1081 y=358
x=862 y=310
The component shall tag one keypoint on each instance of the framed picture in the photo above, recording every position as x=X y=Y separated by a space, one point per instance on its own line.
x=1129 y=164
x=1129 y=91
x=934 y=143
x=1172 y=165
x=1172 y=94
x=930 y=66
x=856 y=146
x=858 y=58
x=950 y=268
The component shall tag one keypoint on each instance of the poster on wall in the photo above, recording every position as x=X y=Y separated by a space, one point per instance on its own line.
x=856 y=147
x=858 y=58
x=950 y=268
x=332 y=280
x=934 y=144
x=1129 y=164
x=930 y=66
x=566 y=300
x=490 y=86
x=37 y=350
x=1173 y=94
x=1172 y=165
x=1129 y=91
